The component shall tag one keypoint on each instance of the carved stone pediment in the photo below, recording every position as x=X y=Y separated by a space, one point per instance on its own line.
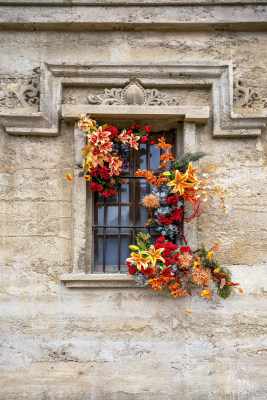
x=133 y=94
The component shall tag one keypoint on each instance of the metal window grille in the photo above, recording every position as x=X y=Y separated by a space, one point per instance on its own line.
x=117 y=220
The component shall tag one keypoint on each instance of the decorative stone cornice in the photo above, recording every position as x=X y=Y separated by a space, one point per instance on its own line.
x=180 y=15
x=54 y=75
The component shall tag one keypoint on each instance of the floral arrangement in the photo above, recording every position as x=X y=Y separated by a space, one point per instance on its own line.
x=103 y=162
x=165 y=264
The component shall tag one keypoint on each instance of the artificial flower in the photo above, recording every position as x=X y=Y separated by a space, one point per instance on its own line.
x=139 y=259
x=154 y=255
x=179 y=183
x=206 y=293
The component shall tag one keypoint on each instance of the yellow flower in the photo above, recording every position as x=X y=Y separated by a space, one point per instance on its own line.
x=206 y=293
x=210 y=255
x=180 y=183
x=139 y=259
x=188 y=310
x=154 y=254
x=216 y=270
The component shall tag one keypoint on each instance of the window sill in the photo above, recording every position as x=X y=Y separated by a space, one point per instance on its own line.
x=97 y=280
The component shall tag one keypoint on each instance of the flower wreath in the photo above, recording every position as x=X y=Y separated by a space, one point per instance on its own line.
x=163 y=264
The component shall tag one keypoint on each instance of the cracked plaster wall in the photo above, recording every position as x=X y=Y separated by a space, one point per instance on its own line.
x=129 y=344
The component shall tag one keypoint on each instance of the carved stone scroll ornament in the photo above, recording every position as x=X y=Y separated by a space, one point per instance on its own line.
x=19 y=95
x=243 y=96
x=133 y=94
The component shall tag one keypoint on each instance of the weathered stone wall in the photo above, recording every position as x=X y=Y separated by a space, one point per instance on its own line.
x=128 y=343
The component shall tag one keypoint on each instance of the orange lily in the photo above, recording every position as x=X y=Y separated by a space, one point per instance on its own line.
x=139 y=259
x=155 y=254
x=191 y=173
x=179 y=183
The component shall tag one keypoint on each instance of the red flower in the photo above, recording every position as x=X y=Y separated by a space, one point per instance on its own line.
x=185 y=249
x=175 y=258
x=164 y=220
x=114 y=131
x=152 y=142
x=175 y=247
x=128 y=264
x=168 y=262
x=132 y=270
x=177 y=214
x=158 y=246
x=148 y=271
x=168 y=245
x=148 y=129
x=95 y=187
x=109 y=193
x=137 y=126
x=132 y=127
x=167 y=252
x=161 y=239
x=129 y=132
x=166 y=272
x=173 y=200
x=144 y=139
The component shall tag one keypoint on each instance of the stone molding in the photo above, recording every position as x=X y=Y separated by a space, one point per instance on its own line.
x=133 y=15
x=54 y=75
x=72 y=3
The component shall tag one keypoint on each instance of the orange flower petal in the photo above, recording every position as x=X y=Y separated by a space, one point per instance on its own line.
x=69 y=177
x=188 y=310
x=240 y=290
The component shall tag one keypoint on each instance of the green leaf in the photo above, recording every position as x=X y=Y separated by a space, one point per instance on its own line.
x=182 y=163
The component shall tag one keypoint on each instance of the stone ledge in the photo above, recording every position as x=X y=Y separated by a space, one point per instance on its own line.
x=97 y=280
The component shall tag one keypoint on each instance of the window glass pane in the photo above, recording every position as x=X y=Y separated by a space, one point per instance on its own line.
x=100 y=251
x=125 y=251
x=125 y=193
x=112 y=215
x=100 y=215
x=125 y=215
x=112 y=251
x=154 y=158
x=125 y=154
x=143 y=216
x=143 y=156
x=144 y=189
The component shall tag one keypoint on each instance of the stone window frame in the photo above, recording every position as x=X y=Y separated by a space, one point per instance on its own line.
x=82 y=275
